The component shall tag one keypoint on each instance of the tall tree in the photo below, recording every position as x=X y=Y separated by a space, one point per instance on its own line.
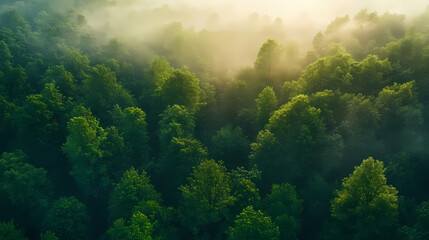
x=231 y=146
x=183 y=88
x=288 y=145
x=132 y=124
x=133 y=190
x=366 y=207
x=253 y=225
x=83 y=150
x=177 y=162
x=8 y=231
x=285 y=207
x=205 y=200
x=138 y=227
x=176 y=121
x=68 y=219
x=267 y=104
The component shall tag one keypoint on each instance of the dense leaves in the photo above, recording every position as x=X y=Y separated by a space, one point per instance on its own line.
x=114 y=136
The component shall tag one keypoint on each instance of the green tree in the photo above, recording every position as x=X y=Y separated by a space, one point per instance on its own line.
x=422 y=224
x=285 y=208
x=331 y=73
x=177 y=163
x=231 y=146
x=366 y=207
x=36 y=123
x=15 y=83
x=288 y=145
x=62 y=78
x=68 y=219
x=267 y=104
x=244 y=189
x=176 y=121
x=159 y=71
x=183 y=88
x=370 y=75
x=138 y=227
x=101 y=91
x=76 y=63
x=133 y=190
x=132 y=124
x=253 y=225
x=23 y=183
x=8 y=231
x=5 y=56
x=205 y=200
x=48 y=235
x=268 y=57
x=7 y=120
x=84 y=153
x=401 y=116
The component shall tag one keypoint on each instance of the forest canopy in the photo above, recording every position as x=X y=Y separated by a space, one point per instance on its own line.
x=161 y=120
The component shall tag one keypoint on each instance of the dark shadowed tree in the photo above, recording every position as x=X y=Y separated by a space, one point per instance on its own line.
x=231 y=146
x=8 y=231
x=285 y=207
x=68 y=219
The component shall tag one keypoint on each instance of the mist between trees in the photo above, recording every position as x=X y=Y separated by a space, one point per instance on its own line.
x=142 y=120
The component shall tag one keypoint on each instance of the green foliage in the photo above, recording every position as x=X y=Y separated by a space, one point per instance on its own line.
x=62 y=78
x=137 y=228
x=133 y=190
x=267 y=104
x=159 y=71
x=231 y=146
x=206 y=199
x=48 y=235
x=244 y=189
x=298 y=124
x=370 y=75
x=101 y=91
x=182 y=88
x=289 y=90
x=5 y=56
x=82 y=149
x=251 y=224
x=68 y=219
x=337 y=24
x=176 y=121
x=423 y=219
x=366 y=207
x=268 y=57
x=285 y=208
x=7 y=117
x=23 y=183
x=177 y=162
x=35 y=121
x=8 y=231
x=67 y=100
x=133 y=126
x=331 y=72
x=15 y=83
x=285 y=148
x=401 y=115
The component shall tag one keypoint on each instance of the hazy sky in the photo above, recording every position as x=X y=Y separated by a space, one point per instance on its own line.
x=284 y=8
x=318 y=12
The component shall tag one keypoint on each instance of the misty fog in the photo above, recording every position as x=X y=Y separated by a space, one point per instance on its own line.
x=227 y=34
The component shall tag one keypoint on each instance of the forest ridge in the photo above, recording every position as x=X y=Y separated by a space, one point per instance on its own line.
x=167 y=134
